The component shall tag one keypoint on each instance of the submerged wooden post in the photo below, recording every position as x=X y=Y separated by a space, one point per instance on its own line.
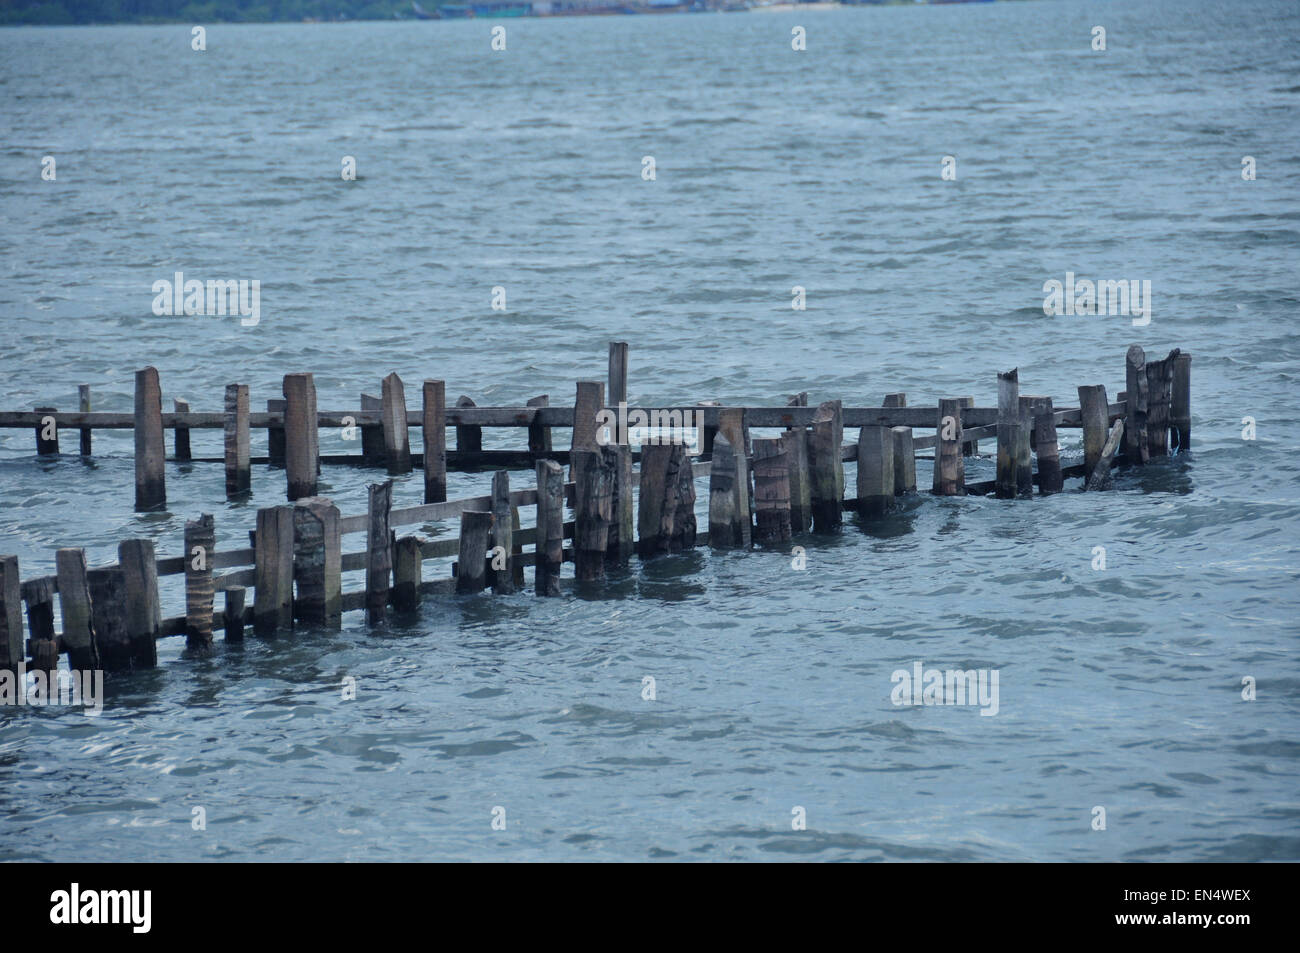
x=301 y=447
x=1180 y=405
x=406 y=574
x=825 y=466
x=771 y=491
x=434 y=426
x=471 y=570
x=949 y=467
x=233 y=616
x=83 y=402
x=875 y=470
x=372 y=435
x=593 y=507
x=141 y=609
x=622 y=533
x=1008 y=425
x=275 y=434
x=617 y=373
x=273 y=585
x=468 y=438
x=724 y=522
x=795 y=441
x=74 y=606
x=1024 y=461
x=11 y=615
x=108 y=616
x=1097 y=478
x=182 y=435
x=550 y=527
x=1045 y=442
x=397 y=444
x=503 y=540
x=200 y=542
x=660 y=509
x=1160 y=378
x=318 y=561
x=47 y=446
x=150 y=482
x=539 y=435
x=38 y=594
x=904 y=460
x=379 y=552
x=1135 y=415
x=236 y=435
x=1095 y=412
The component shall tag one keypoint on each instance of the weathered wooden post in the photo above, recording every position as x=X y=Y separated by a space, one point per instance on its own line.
x=434 y=424
x=275 y=434
x=617 y=373
x=141 y=608
x=727 y=529
x=825 y=466
x=1136 y=448
x=108 y=617
x=898 y=399
x=732 y=425
x=771 y=491
x=503 y=539
x=969 y=448
x=1050 y=479
x=1098 y=477
x=1180 y=407
x=11 y=615
x=875 y=470
x=1024 y=462
x=47 y=436
x=150 y=481
x=539 y=435
x=660 y=508
x=1005 y=487
x=200 y=543
x=1160 y=378
x=233 y=616
x=468 y=438
x=372 y=435
x=397 y=445
x=471 y=570
x=273 y=583
x=593 y=506
x=622 y=534
x=550 y=527
x=379 y=550
x=1095 y=412
x=83 y=402
x=707 y=431
x=318 y=561
x=904 y=460
x=38 y=595
x=588 y=402
x=301 y=447
x=182 y=433
x=74 y=606
x=795 y=441
x=236 y=437
x=406 y=574
x=949 y=467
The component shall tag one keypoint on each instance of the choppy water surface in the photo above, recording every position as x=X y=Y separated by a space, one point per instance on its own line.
x=774 y=169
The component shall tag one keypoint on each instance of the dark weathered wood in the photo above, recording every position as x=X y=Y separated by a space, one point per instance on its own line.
x=301 y=446
x=969 y=448
x=273 y=586
x=622 y=532
x=875 y=480
x=275 y=433
x=468 y=438
x=1096 y=417
x=108 y=616
x=732 y=423
x=318 y=561
x=1180 y=403
x=372 y=435
x=1024 y=460
x=724 y=523
x=74 y=607
x=233 y=616
x=539 y=435
x=182 y=434
x=150 y=481
x=949 y=466
x=617 y=372
x=406 y=574
x=379 y=553
x=593 y=507
x=397 y=445
x=475 y=532
x=200 y=546
x=236 y=435
x=141 y=605
x=83 y=400
x=825 y=466
x=659 y=504
x=38 y=596
x=904 y=460
x=708 y=431
x=771 y=491
x=503 y=541
x=11 y=615
x=550 y=527
x=894 y=400
x=795 y=441
x=1097 y=479
x=1050 y=479
x=1136 y=448
x=589 y=401
x=1008 y=433
x=684 y=522
x=47 y=446
x=1160 y=379
x=434 y=431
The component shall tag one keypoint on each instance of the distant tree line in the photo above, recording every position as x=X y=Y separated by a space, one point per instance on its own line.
x=52 y=12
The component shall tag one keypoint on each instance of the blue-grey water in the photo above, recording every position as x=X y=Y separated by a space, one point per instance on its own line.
x=1119 y=688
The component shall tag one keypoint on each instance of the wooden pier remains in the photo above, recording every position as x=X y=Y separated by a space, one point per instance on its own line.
x=772 y=474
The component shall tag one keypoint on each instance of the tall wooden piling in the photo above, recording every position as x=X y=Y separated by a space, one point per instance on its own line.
x=825 y=465
x=141 y=608
x=588 y=402
x=1136 y=447
x=1160 y=379
x=407 y=563
x=875 y=470
x=1008 y=426
x=1024 y=460
x=503 y=540
x=233 y=616
x=1180 y=403
x=771 y=491
x=550 y=527
x=660 y=509
x=236 y=436
x=372 y=435
x=949 y=467
x=1095 y=412
x=150 y=482
x=379 y=551
x=83 y=404
x=1050 y=479
x=433 y=418
x=38 y=595
x=275 y=434
x=468 y=438
x=108 y=616
x=795 y=441
x=47 y=438
x=969 y=448
x=617 y=373
x=471 y=570
x=301 y=446
x=273 y=585
x=733 y=426
x=593 y=506
x=200 y=544
x=318 y=561
x=622 y=531
x=11 y=615
x=904 y=460
x=724 y=522
x=397 y=446
x=182 y=433
x=74 y=606
x=539 y=435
